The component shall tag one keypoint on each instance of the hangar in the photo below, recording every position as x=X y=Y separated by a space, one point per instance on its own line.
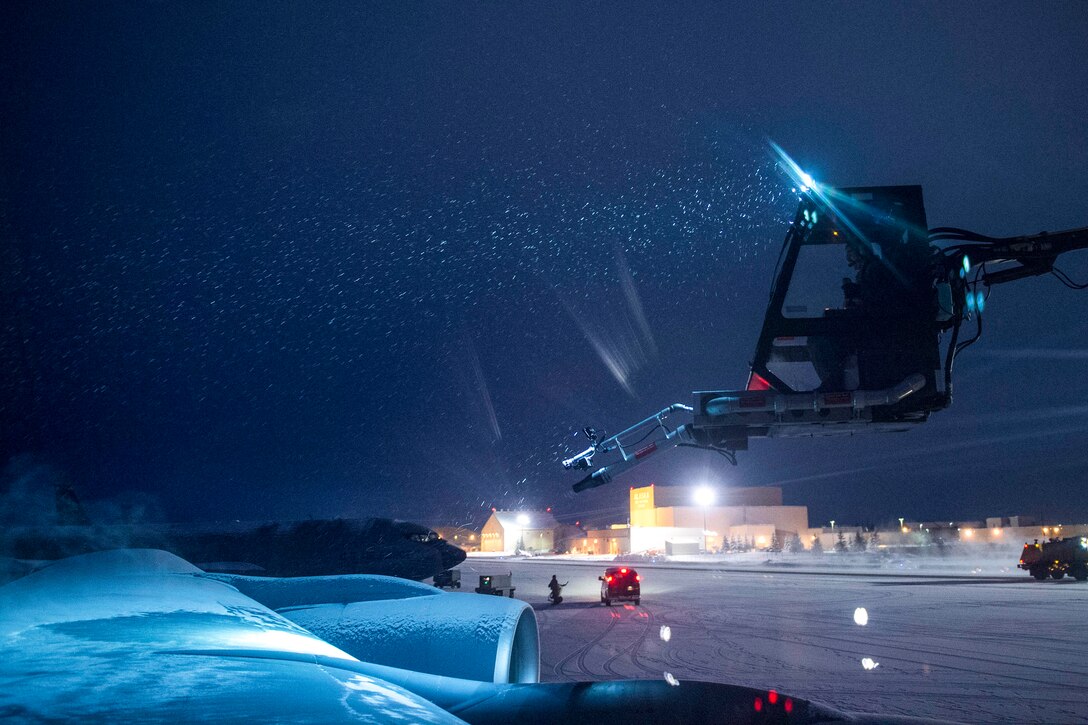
x=510 y=531
x=674 y=519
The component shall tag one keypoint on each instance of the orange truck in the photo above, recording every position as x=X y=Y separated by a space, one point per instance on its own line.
x=1056 y=558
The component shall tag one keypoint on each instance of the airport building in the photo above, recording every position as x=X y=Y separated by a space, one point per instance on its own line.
x=460 y=536
x=994 y=531
x=616 y=539
x=668 y=519
x=509 y=531
x=672 y=519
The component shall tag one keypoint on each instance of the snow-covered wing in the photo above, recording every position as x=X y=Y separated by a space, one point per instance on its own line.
x=140 y=635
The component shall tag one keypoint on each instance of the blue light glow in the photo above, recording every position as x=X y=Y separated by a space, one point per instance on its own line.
x=802 y=179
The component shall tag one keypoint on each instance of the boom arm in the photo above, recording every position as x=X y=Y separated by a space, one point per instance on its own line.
x=722 y=413
x=633 y=444
x=891 y=349
x=1033 y=254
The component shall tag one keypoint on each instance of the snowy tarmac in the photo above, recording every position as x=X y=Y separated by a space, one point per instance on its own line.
x=971 y=648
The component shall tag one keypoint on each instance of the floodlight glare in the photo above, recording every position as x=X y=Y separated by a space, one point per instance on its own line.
x=523 y=519
x=704 y=496
x=803 y=179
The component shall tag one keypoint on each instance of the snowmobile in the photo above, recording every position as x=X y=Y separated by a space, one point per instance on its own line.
x=851 y=340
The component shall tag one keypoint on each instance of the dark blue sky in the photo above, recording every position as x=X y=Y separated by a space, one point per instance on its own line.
x=289 y=259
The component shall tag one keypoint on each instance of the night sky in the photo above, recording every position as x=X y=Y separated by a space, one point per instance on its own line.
x=279 y=260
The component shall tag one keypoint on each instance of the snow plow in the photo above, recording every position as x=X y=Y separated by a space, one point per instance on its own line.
x=1056 y=558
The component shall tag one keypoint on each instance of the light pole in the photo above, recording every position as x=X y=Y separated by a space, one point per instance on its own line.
x=523 y=521
x=704 y=498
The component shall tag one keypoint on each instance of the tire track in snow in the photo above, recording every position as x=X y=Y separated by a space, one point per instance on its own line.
x=632 y=649
x=560 y=666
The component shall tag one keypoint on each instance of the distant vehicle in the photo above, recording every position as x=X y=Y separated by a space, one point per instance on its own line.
x=650 y=556
x=620 y=584
x=448 y=579
x=898 y=562
x=1056 y=558
x=501 y=585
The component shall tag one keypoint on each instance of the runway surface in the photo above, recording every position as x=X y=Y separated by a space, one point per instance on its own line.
x=972 y=649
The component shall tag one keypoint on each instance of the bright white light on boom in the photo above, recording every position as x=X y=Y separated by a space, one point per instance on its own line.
x=803 y=180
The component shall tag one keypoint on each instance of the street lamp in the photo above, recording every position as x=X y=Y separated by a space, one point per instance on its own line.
x=523 y=521
x=704 y=498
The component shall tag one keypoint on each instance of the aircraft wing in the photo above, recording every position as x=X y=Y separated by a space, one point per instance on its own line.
x=139 y=635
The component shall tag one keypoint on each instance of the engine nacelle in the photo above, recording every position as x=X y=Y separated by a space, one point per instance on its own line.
x=407 y=625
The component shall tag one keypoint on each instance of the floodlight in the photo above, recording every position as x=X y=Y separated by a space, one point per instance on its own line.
x=704 y=496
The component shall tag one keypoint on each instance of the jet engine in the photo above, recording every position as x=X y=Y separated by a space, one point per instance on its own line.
x=407 y=625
